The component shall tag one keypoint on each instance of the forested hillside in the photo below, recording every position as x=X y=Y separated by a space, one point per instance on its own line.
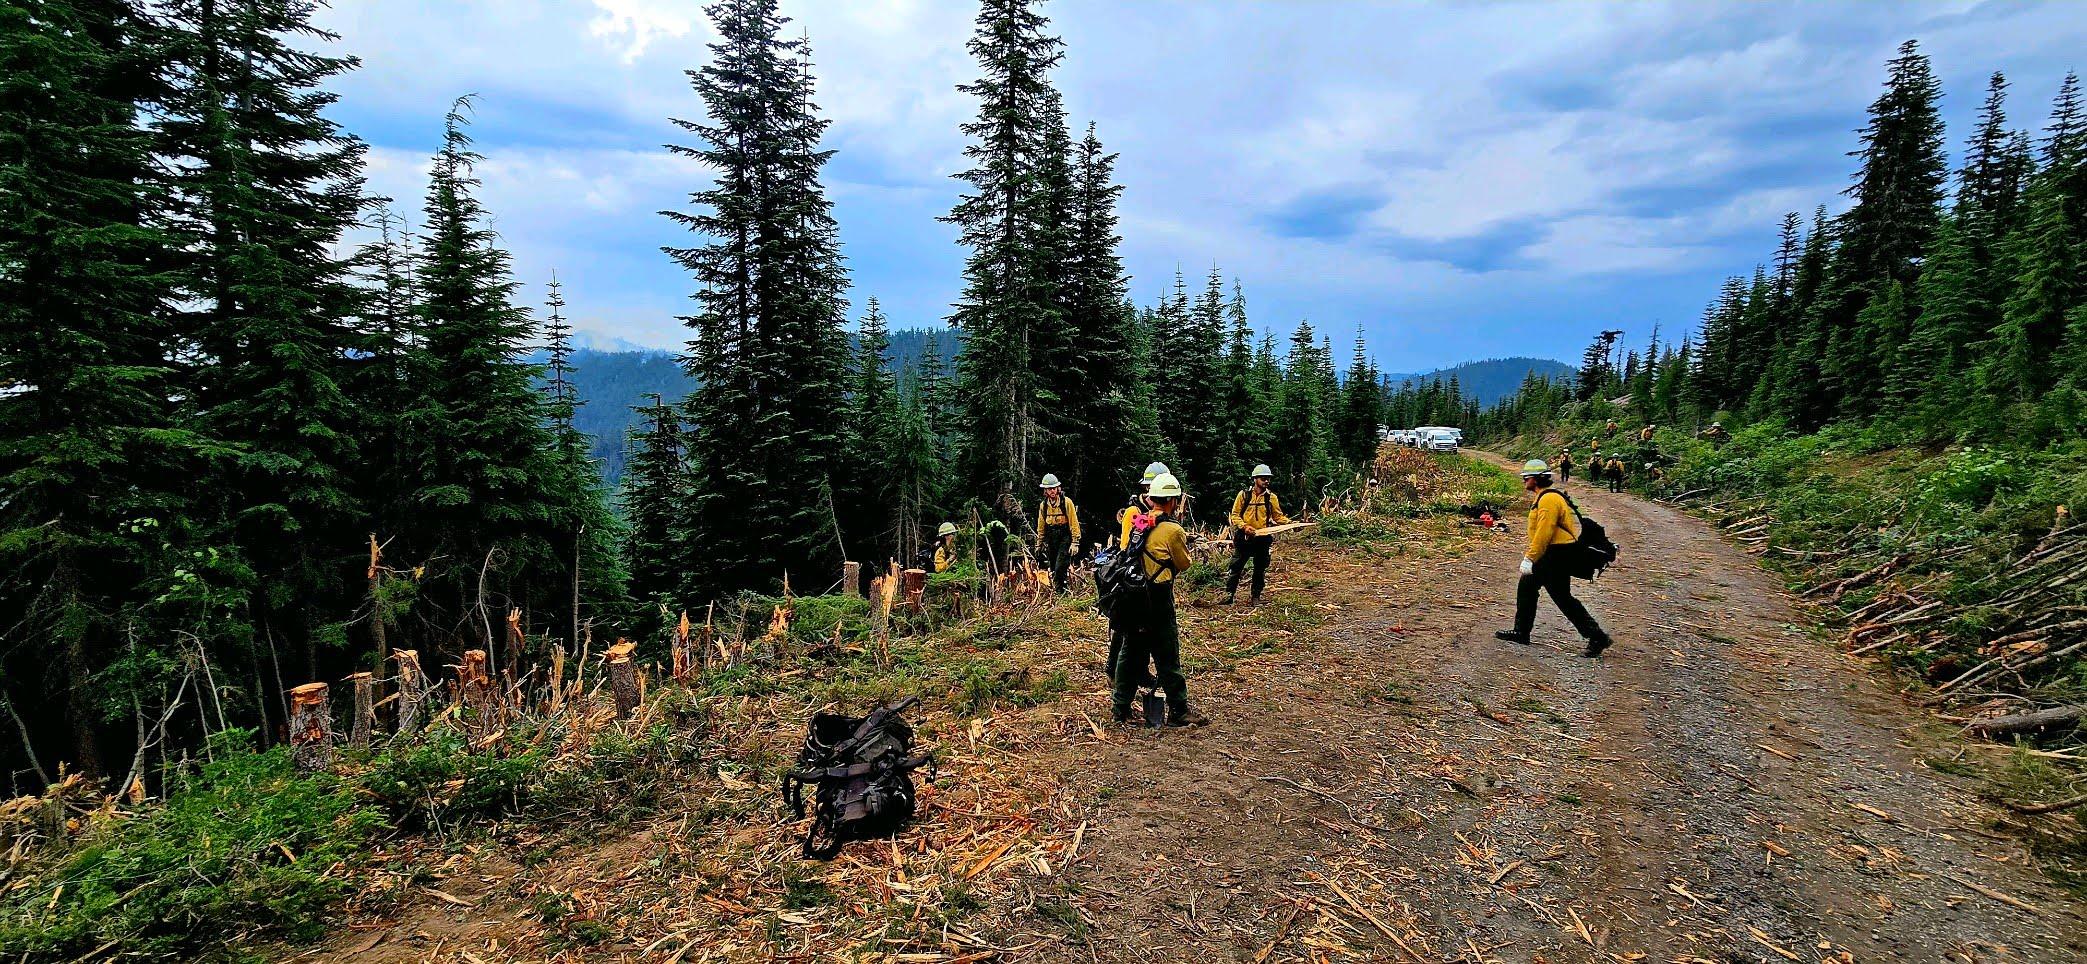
x=1892 y=408
x=611 y=385
x=1486 y=382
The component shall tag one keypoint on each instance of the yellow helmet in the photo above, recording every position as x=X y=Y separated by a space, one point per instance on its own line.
x=1166 y=486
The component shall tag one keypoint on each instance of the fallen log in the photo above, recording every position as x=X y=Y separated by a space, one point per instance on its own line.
x=2031 y=722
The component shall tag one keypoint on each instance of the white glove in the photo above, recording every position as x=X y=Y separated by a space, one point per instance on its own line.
x=1528 y=568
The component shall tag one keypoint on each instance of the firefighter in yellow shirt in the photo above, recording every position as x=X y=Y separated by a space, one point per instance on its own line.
x=1153 y=634
x=1138 y=503
x=1554 y=531
x=945 y=547
x=1057 y=531
x=1255 y=508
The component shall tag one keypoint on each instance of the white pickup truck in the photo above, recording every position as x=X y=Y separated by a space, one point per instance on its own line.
x=1440 y=439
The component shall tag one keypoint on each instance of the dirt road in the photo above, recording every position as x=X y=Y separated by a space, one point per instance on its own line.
x=1720 y=787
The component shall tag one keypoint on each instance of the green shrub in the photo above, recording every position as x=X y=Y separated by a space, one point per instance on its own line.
x=242 y=846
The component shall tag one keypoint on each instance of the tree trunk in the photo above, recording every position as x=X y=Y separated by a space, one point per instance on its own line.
x=365 y=718
x=623 y=678
x=2028 y=722
x=413 y=691
x=311 y=727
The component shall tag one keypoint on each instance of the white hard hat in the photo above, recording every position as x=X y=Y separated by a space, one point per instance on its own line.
x=948 y=529
x=1155 y=470
x=1263 y=472
x=1535 y=467
x=1166 y=486
x=1050 y=481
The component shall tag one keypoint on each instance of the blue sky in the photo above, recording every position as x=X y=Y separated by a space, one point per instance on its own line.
x=1461 y=181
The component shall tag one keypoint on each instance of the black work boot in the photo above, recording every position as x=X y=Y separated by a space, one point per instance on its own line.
x=1511 y=636
x=1186 y=717
x=1119 y=715
x=1596 y=645
x=1231 y=597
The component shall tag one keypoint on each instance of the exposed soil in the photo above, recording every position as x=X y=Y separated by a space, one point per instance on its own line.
x=1719 y=786
x=1395 y=784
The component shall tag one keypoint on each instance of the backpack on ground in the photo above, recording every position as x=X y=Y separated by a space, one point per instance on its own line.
x=1593 y=551
x=1120 y=579
x=860 y=770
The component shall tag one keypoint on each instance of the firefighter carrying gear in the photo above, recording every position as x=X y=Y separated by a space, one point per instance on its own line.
x=1253 y=509
x=1058 y=533
x=1551 y=523
x=1152 y=634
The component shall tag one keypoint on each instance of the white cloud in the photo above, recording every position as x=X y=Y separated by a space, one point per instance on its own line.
x=642 y=22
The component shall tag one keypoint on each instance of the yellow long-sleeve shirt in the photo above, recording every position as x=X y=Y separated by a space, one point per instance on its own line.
x=1551 y=523
x=945 y=557
x=1063 y=514
x=1166 y=551
x=1256 y=511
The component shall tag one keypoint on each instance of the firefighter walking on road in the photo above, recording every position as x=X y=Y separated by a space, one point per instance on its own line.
x=1255 y=508
x=1554 y=531
x=1057 y=531
x=1152 y=634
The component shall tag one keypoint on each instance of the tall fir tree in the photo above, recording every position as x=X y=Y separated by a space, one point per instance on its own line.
x=1898 y=205
x=1099 y=404
x=269 y=185
x=769 y=355
x=480 y=444
x=869 y=489
x=92 y=458
x=587 y=536
x=1008 y=308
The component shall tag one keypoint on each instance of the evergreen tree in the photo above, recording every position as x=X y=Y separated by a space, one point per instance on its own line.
x=269 y=184
x=481 y=443
x=1361 y=407
x=1989 y=186
x=588 y=537
x=1301 y=436
x=654 y=487
x=1248 y=403
x=1898 y=195
x=385 y=381
x=91 y=461
x=769 y=356
x=869 y=492
x=1097 y=391
x=2047 y=285
x=1009 y=302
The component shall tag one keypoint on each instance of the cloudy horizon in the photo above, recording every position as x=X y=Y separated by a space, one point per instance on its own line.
x=1460 y=182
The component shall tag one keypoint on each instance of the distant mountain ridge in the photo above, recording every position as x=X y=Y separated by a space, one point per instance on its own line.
x=1491 y=379
x=611 y=382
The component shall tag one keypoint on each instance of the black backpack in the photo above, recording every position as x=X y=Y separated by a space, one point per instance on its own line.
x=1593 y=551
x=861 y=772
x=1120 y=579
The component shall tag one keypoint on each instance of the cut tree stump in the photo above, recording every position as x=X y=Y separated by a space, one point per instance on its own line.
x=413 y=690
x=851 y=579
x=311 y=727
x=623 y=677
x=916 y=589
x=682 y=650
x=365 y=718
x=474 y=687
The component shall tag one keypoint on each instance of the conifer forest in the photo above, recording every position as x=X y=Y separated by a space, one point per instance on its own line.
x=281 y=456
